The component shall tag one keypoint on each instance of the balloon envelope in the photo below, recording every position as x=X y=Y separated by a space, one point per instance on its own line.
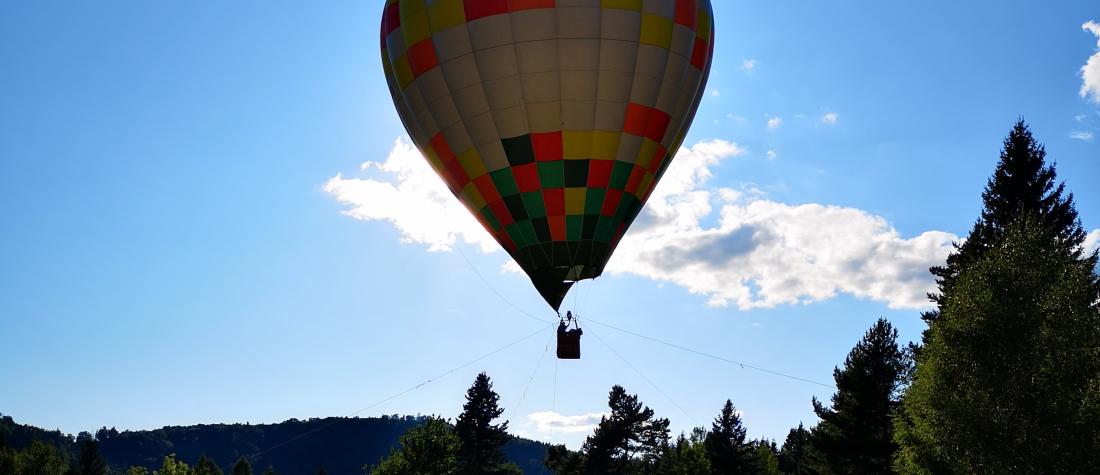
x=550 y=120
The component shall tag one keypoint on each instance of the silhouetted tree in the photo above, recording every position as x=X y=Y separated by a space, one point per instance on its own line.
x=321 y=470
x=1009 y=379
x=429 y=448
x=855 y=434
x=207 y=466
x=480 y=441
x=687 y=456
x=270 y=471
x=726 y=448
x=794 y=456
x=242 y=467
x=90 y=461
x=765 y=457
x=1022 y=185
x=620 y=436
x=171 y=466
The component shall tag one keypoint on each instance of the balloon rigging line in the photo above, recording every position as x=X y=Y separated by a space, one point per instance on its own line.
x=651 y=383
x=715 y=357
x=523 y=395
x=410 y=389
x=742 y=364
x=498 y=294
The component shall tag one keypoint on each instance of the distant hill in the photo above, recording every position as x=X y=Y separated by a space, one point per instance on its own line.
x=342 y=446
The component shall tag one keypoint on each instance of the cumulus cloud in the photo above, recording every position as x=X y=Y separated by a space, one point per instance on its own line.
x=1090 y=72
x=408 y=194
x=734 y=246
x=748 y=64
x=549 y=422
x=771 y=155
x=830 y=118
x=1077 y=135
x=775 y=122
x=1092 y=241
x=762 y=253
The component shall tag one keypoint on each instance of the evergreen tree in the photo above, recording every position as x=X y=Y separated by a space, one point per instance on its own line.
x=1009 y=380
x=171 y=466
x=792 y=455
x=1022 y=184
x=855 y=434
x=90 y=461
x=242 y=467
x=687 y=456
x=620 y=436
x=480 y=441
x=270 y=471
x=427 y=449
x=765 y=457
x=321 y=470
x=725 y=444
x=206 y=466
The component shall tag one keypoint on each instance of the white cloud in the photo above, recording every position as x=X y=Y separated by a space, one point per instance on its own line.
x=748 y=64
x=1079 y=118
x=549 y=422
x=1090 y=72
x=775 y=122
x=1092 y=240
x=1086 y=136
x=715 y=93
x=830 y=118
x=413 y=199
x=771 y=155
x=762 y=253
x=758 y=252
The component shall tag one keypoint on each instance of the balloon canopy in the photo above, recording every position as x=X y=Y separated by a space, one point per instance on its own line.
x=550 y=120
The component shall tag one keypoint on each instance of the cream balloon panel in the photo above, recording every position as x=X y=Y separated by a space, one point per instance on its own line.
x=536 y=112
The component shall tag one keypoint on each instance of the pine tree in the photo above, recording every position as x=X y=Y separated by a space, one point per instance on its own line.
x=725 y=444
x=427 y=449
x=855 y=434
x=1009 y=381
x=270 y=471
x=620 y=436
x=793 y=455
x=687 y=456
x=242 y=467
x=480 y=441
x=90 y=461
x=1022 y=184
x=207 y=466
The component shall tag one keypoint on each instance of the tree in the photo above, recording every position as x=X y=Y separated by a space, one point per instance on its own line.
x=90 y=461
x=725 y=444
x=207 y=466
x=171 y=466
x=480 y=441
x=1009 y=380
x=270 y=471
x=427 y=449
x=765 y=457
x=40 y=458
x=242 y=467
x=620 y=436
x=687 y=456
x=1022 y=184
x=855 y=433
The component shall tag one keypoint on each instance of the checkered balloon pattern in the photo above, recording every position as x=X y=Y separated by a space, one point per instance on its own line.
x=550 y=120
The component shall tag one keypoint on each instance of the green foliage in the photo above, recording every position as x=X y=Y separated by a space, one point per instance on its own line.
x=480 y=441
x=90 y=461
x=855 y=433
x=1022 y=185
x=135 y=470
x=39 y=458
x=687 y=456
x=628 y=431
x=725 y=444
x=1009 y=379
x=207 y=466
x=242 y=467
x=171 y=466
x=765 y=457
x=428 y=449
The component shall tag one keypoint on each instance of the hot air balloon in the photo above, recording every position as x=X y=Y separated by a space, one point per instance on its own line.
x=550 y=120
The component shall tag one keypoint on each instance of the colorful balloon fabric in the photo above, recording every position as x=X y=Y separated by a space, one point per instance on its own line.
x=551 y=120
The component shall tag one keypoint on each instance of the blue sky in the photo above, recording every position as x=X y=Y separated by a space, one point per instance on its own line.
x=188 y=235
